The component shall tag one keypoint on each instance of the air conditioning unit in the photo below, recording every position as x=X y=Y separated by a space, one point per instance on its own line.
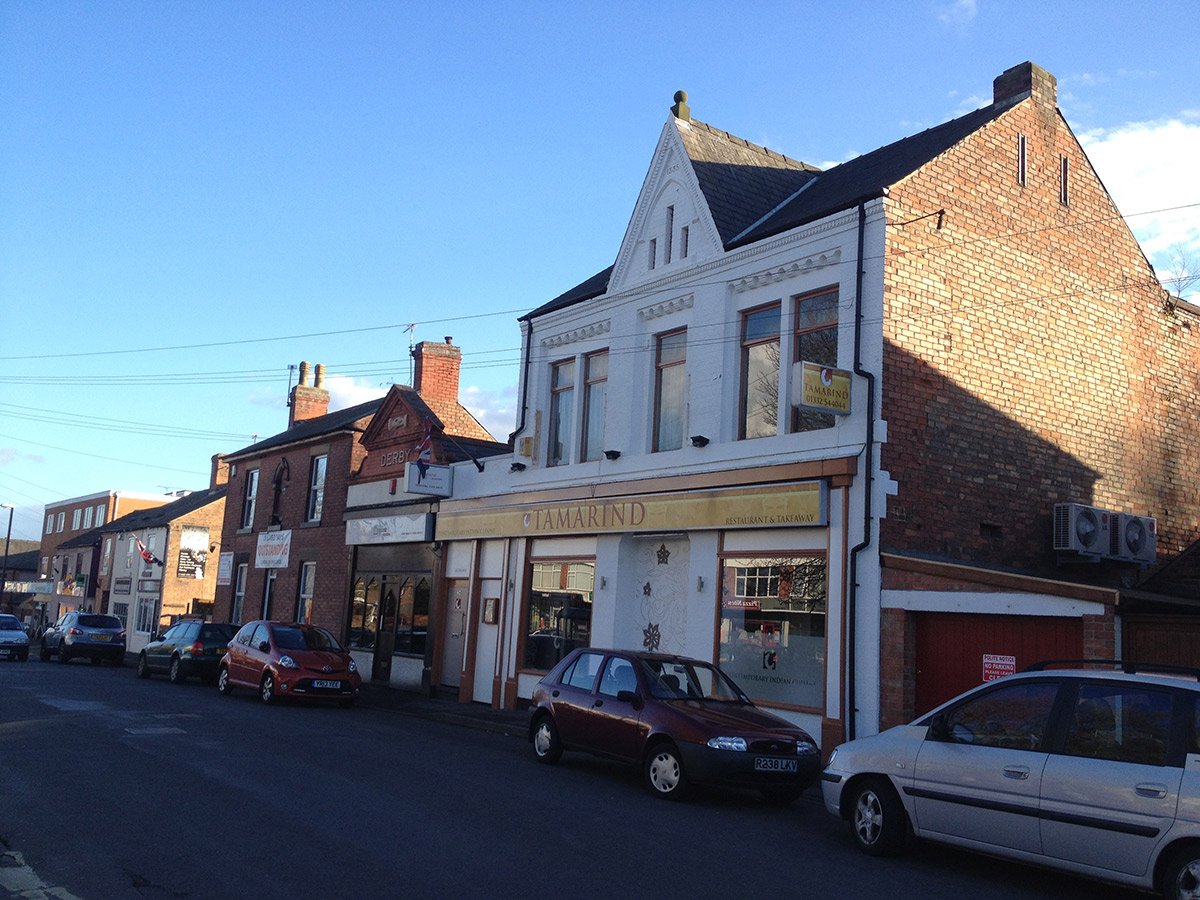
x=1133 y=538
x=1082 y=529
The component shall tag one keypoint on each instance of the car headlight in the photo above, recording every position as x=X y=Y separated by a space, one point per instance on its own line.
x=832 y=757
x=287 y=662
x=728 y=743
x=353 y=667
x=805 y=746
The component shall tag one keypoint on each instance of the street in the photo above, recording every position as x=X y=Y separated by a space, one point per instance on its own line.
x=113 y=787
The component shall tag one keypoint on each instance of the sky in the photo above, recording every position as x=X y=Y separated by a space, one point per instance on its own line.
x=195 y=196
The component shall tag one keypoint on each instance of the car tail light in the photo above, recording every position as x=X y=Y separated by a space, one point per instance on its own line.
x=74 y=630
x=197 y=649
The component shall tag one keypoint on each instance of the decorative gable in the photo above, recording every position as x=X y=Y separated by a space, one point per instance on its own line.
x=671 y=224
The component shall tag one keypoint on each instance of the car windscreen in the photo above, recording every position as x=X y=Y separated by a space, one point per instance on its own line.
x=289 y=638
x=94 y=621
x=10 y=623
x=674 y=679
x=220 y=633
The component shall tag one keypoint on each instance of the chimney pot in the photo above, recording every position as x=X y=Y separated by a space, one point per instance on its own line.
x=320 y=382
x=304 y=372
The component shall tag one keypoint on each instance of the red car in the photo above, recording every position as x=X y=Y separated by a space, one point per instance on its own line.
x=682 y=720
x=280 y=659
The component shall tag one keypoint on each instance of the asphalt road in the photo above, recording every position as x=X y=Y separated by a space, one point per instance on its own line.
x=112 y=787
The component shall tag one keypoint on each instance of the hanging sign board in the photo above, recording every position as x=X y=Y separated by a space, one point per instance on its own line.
x=436 y=480
x=821 y=388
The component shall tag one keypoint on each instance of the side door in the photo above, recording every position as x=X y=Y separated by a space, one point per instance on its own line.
x=613 y=721
x=977 y=777
x=256 y=658
x=571 y=699
x=158 y=653
x=1110 y=790
x=238 y=648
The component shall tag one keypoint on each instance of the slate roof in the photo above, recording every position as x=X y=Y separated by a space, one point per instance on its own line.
x=164 y=515
x=25 y=561
x=754 y=193
x=310 y=429
x=86 y=539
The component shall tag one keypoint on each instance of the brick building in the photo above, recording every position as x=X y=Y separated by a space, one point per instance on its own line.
x=321 y=525
x=852 y=404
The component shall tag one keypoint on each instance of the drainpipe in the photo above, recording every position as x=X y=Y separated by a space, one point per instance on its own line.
x=527 y=352
x=869 y=453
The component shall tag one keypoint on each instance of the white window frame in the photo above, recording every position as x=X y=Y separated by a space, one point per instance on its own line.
x=308 y=584
x=76 y=519
x=239 y=594
x=100 y=510
x=316 y=487
x=250 y=498
x=88 y=512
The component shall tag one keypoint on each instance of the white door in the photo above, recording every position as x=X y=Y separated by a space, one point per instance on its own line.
x=454 y=633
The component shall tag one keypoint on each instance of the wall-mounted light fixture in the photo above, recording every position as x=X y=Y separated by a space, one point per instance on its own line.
x=612 y=454
x=699 y=440
x=517 y=467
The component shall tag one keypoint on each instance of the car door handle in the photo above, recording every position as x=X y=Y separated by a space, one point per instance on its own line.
x=1018 y=772
x=554 y=693
x=597 y=704
x=1150 y=789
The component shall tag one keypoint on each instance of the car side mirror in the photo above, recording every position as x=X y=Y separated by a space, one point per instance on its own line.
x=264 y=646
x=938 y=730
x=630 y=697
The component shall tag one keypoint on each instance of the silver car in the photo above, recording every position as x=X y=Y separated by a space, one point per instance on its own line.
x=1089 y=771
x=14 y=642
x=93 y=635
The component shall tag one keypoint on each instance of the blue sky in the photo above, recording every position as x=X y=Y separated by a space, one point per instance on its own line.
x=195 y=195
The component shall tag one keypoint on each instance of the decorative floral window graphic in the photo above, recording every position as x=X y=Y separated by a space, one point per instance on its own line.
x=772 y=638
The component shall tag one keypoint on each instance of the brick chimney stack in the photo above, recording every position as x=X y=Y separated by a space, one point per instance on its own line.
x=308 y=402
x=220 y=471
x=435 y=375
x=1023 y=81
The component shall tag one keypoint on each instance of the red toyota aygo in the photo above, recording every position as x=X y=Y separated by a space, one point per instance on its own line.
x=291 y=659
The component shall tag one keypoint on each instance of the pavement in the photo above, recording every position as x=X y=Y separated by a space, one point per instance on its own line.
x=447 y=709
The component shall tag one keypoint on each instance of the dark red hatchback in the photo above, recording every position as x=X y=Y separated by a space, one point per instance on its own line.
x=682 y=720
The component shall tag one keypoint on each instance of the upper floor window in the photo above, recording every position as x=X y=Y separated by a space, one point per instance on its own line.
x=76 y=518
x=683 y=242
x=562 y=411
x=50 y=523
x=250 y=498
x=653 y=252
x=760 y=373
x=87 y=517
x=670 y=233
x=670 y=390
x=816 y=342
x=308 y=584
x=62 y=521
x=595 y=395
x=100 y=510
x=316 y=488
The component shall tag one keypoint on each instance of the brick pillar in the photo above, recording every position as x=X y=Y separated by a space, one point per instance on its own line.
x=897 y=668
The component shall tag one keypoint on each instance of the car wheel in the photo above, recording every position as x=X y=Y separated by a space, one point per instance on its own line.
x=143 y=667
x=877 y=817
x=175 y=675
x=224 y=685
x=44 y=653
x=266 y=688
x=546 y=744
x=63 y=655
x=781 y=796
x=1181 y=877
x=664 y=772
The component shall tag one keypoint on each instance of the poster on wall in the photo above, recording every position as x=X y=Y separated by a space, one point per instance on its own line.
x=193 y=551
x=225 y=569
x=274 y=548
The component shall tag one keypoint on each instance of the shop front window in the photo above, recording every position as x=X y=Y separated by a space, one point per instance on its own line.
x=773 y=627
x=559 y=611
x=412 y=622
x=364 y=617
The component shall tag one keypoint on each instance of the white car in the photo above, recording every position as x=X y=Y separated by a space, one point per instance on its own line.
x=14 y=642
x=1090 y=771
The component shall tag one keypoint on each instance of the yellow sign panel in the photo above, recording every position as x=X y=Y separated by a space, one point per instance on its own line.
x=793 y=505
x=825 y=389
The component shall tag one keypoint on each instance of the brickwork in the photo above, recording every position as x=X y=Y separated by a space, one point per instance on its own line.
x=180 y=592
x=897 y=667
x=435 y=378
x=1029 y=359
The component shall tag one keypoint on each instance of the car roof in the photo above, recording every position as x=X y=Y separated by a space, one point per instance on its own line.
x=1174 y=678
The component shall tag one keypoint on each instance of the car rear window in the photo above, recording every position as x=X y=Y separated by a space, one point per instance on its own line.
x=94 y=621
x=217 y=633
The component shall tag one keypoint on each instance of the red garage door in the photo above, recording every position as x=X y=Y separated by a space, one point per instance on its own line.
x=951 y=648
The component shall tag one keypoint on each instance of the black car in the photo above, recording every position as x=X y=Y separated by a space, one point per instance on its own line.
x=681 y=720
x=187 y=649
x=93 y=635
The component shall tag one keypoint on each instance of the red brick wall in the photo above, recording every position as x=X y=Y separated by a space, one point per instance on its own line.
x=897 y=668
x=323 y=543
x=1028 y=359
x=178 y=593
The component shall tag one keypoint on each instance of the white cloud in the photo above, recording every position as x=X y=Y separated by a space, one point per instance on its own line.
x=1149 y=168
x=495 y=410
x=345 y=392
x=956 y=12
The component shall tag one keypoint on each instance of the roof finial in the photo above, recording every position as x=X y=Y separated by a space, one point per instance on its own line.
x=681 y=110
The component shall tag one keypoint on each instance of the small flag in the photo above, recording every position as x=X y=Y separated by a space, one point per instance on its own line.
x=425 y=451
x=146 y=554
